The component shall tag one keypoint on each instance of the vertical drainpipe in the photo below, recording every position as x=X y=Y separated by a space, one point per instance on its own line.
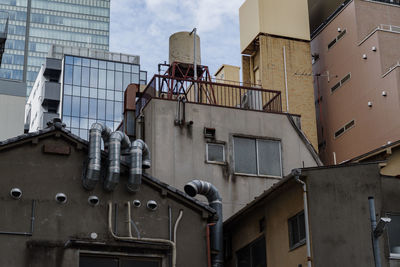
x=375 y=240
x=296 y=173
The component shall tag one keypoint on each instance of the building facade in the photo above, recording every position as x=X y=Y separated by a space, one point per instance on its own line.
x=241 y=149
x=275 y=47
x=35 y=25
x=49 y=219
x=357 y=79
x=82 y=89
x=270 y=231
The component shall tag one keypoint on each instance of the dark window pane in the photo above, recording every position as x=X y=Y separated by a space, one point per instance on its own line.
x=87 y=261
x=269 y=157
x=258 y=253
x=394 y=234
x=67 y=105
x=85 y=76
x=93 y=77
x=84 y=107
x=75 y=106
x=92 y=108
x=109 y=110
x=77 y=75
x=102 y=78
x=302 y=227
x=243 y=257
x=68 y=74
x=140 y=263
x=245 y=155
x=101 y=115
x=215 y=152
x=110 y=79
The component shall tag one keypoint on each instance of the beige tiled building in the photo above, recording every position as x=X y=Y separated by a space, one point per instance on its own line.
x=275 y=44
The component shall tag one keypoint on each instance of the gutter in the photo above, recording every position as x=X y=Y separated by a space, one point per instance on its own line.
x=296 y=173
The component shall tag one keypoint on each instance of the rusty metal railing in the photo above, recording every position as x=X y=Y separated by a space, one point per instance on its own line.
x=211 y=93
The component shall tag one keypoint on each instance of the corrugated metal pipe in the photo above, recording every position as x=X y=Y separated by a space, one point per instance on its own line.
x=215 y=201
x=140 y=159
x=97 y=131
x=117 y=141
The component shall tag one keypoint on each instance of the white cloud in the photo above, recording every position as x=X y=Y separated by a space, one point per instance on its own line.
x=142 y=27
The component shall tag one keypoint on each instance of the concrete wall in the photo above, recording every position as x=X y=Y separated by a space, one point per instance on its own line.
x=339 y=214
x=276 y=210
x=376 y=125
x=41 y=176
x=282 y=18
x=12 y=104
x=179 y=152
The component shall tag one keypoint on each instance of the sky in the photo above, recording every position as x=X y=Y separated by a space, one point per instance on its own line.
x=143 y=27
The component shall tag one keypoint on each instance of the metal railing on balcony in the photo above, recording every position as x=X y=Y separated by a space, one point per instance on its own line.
x=210 y=93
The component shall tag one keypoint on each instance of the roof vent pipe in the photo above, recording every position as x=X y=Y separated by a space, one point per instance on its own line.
x=215 y=201
x=140 y=158
x=97 y=131
x=117 y=141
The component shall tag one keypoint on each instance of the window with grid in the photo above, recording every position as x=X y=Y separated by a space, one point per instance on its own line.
x=297 y=230
x=255 y=156
x=393 y=230
x=215 y=153
x=252 y=255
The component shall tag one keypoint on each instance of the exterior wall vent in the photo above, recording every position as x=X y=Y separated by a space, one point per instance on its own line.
x=16 y=193
x=209 y=133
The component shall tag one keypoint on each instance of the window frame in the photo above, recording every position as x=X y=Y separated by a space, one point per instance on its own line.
x=257 y=157
x=159 y=258
x=302 y=241
x=250 y=246
x=391 y=255
x=223 y=153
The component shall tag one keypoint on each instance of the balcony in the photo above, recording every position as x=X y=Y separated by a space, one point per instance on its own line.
x=51 y=95
x=52 y=69
x=232 y=95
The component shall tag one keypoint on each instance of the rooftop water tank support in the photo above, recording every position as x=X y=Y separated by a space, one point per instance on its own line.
x=215 y=201
x=97 y=131
x=140 y=159
x=117 y=141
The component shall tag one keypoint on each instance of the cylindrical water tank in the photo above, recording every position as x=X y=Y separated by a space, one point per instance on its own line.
x=181 y=48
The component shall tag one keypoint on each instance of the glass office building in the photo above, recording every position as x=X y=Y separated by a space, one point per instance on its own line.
x=93 y=90
x=34 y=25
x=81 y=86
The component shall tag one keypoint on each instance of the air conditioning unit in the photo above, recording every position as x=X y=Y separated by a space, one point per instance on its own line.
x=252 y=100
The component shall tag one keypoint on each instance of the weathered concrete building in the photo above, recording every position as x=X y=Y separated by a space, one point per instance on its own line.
x=271 y=230
x=49 y=219
x=356 y=64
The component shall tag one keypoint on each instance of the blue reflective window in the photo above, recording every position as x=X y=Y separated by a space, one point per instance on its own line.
x=85 y=91
x=127 y=68
x=127 y=80
x=110 y=95
x=77 y=61
x=68 y=74
x=67 y=89
x=135 y=68
x=101 y=115
x=109 y=110
x=93 y=92
x=93 y=77
x=77 y=75
x=110 y=79
x=67 y=105
x=75 y=106
x=74 y=122
x=94 y=63
x=69 y=60
x=86 y=62
x=118 y=81
x=135 y=78
x=92 y=108
x=84 y=123
x=85 y=76
x=118 y=111
x=84 y=107
x=101 y=94
x=110 y=65
x=102 y=64
x=118 y=96
x=76 y=90
x=102 y=79
x=67 y=121
x=118 y=66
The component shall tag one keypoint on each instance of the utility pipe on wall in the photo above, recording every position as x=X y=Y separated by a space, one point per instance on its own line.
x=296 y=173
x=286 y=86
x=155 y=240
x=375 y=240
